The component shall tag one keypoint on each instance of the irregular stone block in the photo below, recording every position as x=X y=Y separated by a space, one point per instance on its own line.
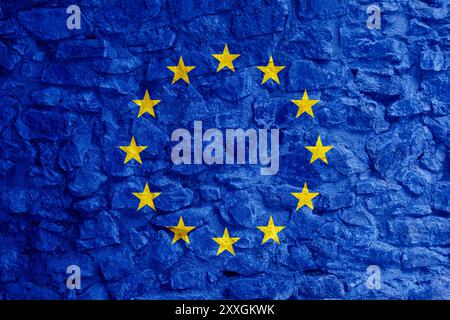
x=29 y=291
x=408 y=107
x=164 y=256
x=380 y=84
x=117 y=65
x=115 y=266
x=95 y=292
x=97 y=233
x=56 y=267
x=162 y=38
x=91 y=204
x=210 y=193
x=260 y=22
x=414 y=258
x=268 y=116
x=189 y=9
x=432 y=59
x=357 y=216
x=308 y=74
x=34 y=124
x=321 y=286
x=441 y=197
x=137 y=239
x=134 y=285
x=86 y=182
x=76 y=49
x=302 y=258
x=415 y=181
x=47 y=97
x=413 y=210
x=8 y=57
x=47 y=241
x=47 y=24
x=427 y=231
x=121 y=84
x=12 y=262
x=188 y=279
x=19 y=200
x=235 y=88
x=174 y=200
x=79 y=74
x=262 y=287
x=383 y=254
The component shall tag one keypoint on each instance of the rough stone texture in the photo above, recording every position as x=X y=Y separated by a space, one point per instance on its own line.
x=66 y=106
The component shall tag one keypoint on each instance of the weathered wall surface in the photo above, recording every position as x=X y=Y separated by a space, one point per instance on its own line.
x=66 y=105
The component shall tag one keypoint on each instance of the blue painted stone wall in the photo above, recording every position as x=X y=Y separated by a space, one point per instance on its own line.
x=66 y=104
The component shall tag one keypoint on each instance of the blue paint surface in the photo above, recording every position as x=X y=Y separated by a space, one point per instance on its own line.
x=66 y=104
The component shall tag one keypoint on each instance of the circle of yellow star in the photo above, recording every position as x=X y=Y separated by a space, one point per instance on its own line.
x=225 y=59
x=319 y=151
x=305 y=197
x=225 y=243
x=271 y=231
x=271 y=71
x=181 y=231
x=146 y=105
x=305 y=105
x=146 y=197
x=133 y=151
x=180 y=71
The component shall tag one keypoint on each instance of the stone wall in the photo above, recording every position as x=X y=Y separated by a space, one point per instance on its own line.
x=66 y=196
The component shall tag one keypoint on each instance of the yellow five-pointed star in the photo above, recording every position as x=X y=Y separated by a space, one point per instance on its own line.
x=181 y=231
x=271 y=71
x=271 y=231
x=225 y=243
x=146 y=105
x=305 y=197
x=180 y=71
x=319 y=151
x=225 y=59
x=133 y=151
x=146 y=197
x=305 y=105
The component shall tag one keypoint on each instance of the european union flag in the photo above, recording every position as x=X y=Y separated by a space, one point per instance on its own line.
x=203 y=149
